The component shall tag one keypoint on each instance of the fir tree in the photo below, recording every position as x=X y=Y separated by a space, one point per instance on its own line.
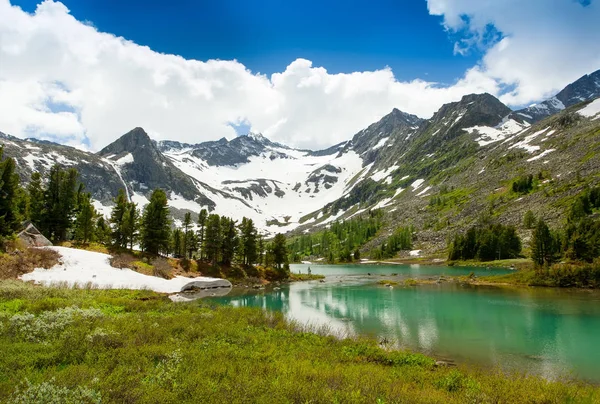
x=187 y=222
x=131 y=225
x=155 y=224
x=229 y=240
x=84 y=223
x=103 y=232
x=36 y=198
x=543 y=245
x=9 y=184
x=60 y=202
x=279 y=250
x=212 y=238
x=176 y=243
x=118 y=217
x=202 y=216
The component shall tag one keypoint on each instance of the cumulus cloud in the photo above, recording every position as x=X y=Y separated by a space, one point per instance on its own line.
x=546 y=44
x=62 y=79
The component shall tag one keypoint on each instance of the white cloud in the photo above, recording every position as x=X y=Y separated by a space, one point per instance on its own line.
x=63 y=79
x=547 y=43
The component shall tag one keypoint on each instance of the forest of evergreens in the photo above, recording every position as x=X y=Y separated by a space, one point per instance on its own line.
x=62 y=210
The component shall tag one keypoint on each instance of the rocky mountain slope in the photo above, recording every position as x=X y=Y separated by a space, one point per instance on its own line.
x=439 y=174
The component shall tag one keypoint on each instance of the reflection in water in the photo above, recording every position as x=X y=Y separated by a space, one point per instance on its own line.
x=548 y=332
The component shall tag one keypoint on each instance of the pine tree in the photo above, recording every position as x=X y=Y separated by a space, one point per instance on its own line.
x=529 y=220
x=36 y=199
x=176 y=243
x=118 y=217
x=543 y=245
x=60 y=202
x=187 y=222
x=279 y=250
x=103 y=232
x=229 y=240
x=131 y=224
x=9 y=184
x=202 y=216
x=212 y=238
x=261 y=250
x=85 y=221
x=155 y=224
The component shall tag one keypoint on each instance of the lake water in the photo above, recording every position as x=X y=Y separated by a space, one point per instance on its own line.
x=549 y=332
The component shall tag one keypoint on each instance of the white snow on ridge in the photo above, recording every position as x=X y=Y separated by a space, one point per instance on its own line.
x=126 y=159
x=503 y=131
x=524 y=144
x=424 y=191
x=287 y=172
x=542 y=154
x=379 y=175
x=380 y=144
x=415 y=185
x=591 y=110
x=80 y=267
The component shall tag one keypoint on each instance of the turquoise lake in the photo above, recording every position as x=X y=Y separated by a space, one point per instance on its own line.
x=549 y=332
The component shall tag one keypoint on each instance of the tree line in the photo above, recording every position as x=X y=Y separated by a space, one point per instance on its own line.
x=340 y=243
x=62 y=211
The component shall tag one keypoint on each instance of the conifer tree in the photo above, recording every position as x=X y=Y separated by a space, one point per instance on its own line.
x=155 y=224
x=248 y=242
x=279 y=250
x=212 y=238
x=118 y=218
x=103 y=231
x=229 y=240
x=131 y=224
x=202 y=216
x=60 y=202
x=9 y=184
x=85 y=221
x=543 y=245
x=36 y=198
x=176 y=243
x=187 y=222
x=261 y=250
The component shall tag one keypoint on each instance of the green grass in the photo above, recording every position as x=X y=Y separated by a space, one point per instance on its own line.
x=305 y=277
x=63 y=345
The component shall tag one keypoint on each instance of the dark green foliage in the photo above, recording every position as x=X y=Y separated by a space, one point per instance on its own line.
x=248 y=242
x=156 y=224
x=85 y=221
x=280 y=251
x=9 y=185
x=529 y=220
x=117 y=220
x=60 y=202
x=212 y=238
x=202 y=216
x=131 y=224
x=103 y=231
x=187 y=222
x=486 y=242
x=229 y=240
x=401 y=239
x=36 y=199
x=584 y=204
x=545 y=245
x=523 y=184
x=177 y=243
x=341 y=238
x=582 y=240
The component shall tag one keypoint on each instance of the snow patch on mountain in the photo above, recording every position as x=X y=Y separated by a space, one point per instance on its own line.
x=592 y=110
x=504 y=130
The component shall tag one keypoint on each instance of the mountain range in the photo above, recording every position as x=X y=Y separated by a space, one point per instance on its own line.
x=438 y=174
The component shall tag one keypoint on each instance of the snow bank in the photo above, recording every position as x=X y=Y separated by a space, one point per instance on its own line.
x=80 y=267
x=591 y=110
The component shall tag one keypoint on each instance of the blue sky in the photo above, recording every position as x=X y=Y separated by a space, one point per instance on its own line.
x=342 y=36
x=328 y=68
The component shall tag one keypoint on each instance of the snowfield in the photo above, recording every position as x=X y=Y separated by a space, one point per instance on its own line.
x=591 y=110
x=80 y=267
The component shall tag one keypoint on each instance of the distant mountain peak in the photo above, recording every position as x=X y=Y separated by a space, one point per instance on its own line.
x=133 y=140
